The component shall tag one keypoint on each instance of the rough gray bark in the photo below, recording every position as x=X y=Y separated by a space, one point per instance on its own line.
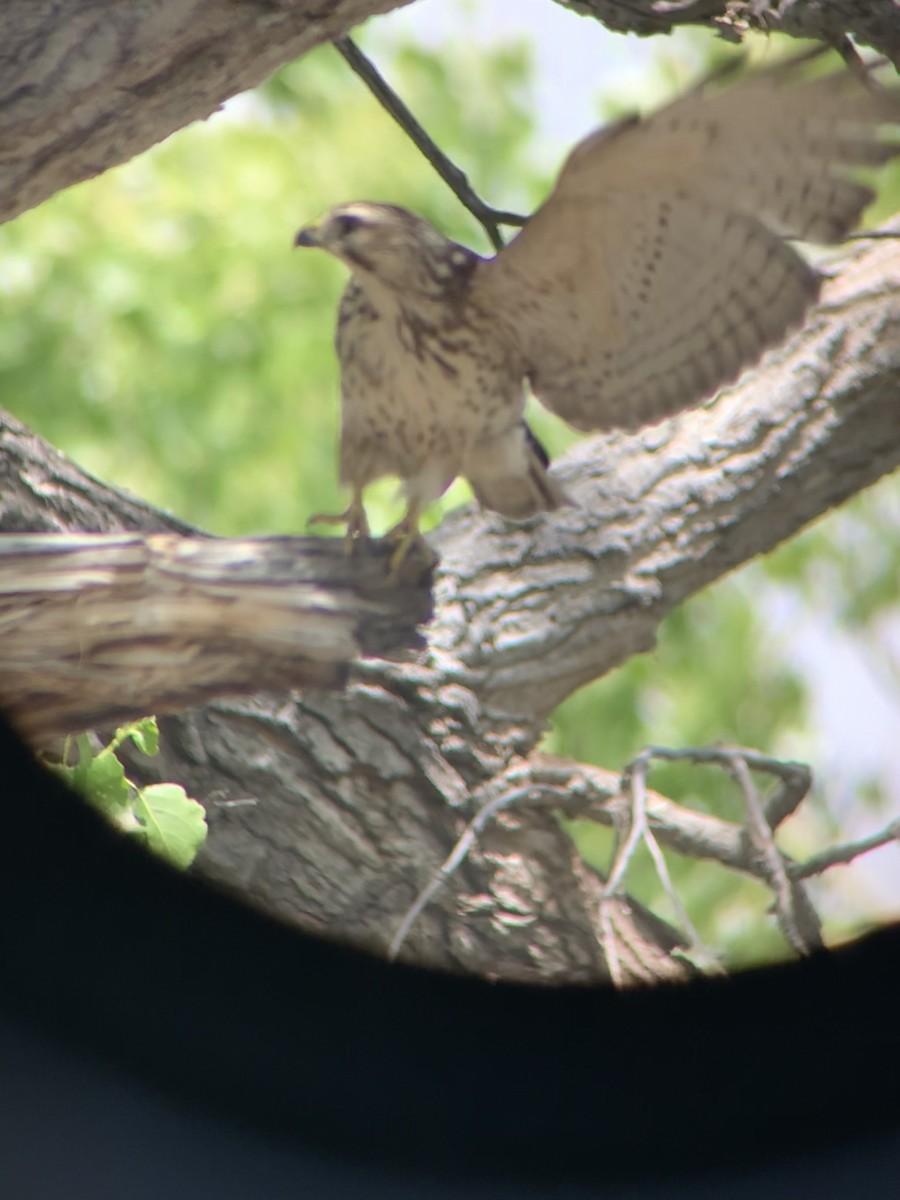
x=359 y=796
x=42 y=491
x=871 y=22
x=99 y=629
x=88 y=84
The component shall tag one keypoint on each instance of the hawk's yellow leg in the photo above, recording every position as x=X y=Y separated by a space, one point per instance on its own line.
x=404 y=535
x=354 y=516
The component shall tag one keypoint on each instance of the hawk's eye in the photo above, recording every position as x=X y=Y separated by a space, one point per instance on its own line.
x=346 y=223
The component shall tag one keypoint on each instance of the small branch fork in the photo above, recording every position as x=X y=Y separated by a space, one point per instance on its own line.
x=643 y=817
x=796 y=917
x=634 y=784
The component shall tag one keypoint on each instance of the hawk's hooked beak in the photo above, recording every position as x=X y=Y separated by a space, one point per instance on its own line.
x=309 y=236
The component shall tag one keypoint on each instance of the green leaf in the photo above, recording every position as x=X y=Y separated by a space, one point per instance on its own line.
x=101 y=780
x=174 y=824
x=144 y=734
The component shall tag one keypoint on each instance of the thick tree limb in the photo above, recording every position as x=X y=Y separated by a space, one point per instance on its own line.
x=42 y=491
x=99 y=629
x=870 y=22
x=360 y=796
x=88 y=84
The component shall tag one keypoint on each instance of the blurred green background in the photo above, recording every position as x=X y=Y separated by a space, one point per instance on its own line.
x=156 y=325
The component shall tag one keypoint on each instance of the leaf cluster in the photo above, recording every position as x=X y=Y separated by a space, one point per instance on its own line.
x=161 y=816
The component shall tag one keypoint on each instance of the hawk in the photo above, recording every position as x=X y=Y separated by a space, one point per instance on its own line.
x=656 y=270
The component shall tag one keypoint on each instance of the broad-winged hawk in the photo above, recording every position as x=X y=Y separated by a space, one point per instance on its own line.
x=655 y=271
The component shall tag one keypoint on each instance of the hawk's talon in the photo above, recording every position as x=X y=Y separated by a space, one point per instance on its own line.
x=402 y=549
x=404 y=536
x=354 y=516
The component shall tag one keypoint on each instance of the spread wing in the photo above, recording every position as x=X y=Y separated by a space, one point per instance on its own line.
x=656 y=269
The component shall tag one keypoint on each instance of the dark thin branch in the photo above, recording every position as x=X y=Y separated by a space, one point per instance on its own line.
x=456 y=180
x=851 y=56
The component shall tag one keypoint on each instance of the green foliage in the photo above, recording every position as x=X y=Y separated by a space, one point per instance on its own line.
x=847 y=565
x=162 y=815
x=173 y=824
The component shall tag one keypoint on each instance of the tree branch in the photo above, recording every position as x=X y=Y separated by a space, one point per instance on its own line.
x=456 y=179
x=100 y=629
x=640 y=815
x=839 y=856
x=360 y=795
x=870 y=22
x=88 y=84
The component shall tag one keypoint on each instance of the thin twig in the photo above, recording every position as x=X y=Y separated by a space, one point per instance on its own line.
x=636 y=833
x=613 y=890
x=634 y=781
x=841 y=855
x=795 y=777
x=581 y=790
x=797 y=919
x=848 y=52
x=489 y=218
x=456 y=180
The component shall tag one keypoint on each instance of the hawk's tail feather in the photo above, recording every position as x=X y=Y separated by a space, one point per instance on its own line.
x=512 y=478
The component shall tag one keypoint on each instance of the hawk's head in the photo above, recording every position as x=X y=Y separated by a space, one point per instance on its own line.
x=393 y=246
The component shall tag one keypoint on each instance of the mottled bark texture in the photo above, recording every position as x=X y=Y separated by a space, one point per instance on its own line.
x=87 y=84
x=99 y=629
x=359 y=796
x=871 y=22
